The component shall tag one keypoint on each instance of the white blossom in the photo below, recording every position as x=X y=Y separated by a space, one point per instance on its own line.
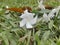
x=28 y=19
x=46 y=17
x=40 y=5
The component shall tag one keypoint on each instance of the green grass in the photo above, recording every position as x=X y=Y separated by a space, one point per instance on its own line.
x=41 y=34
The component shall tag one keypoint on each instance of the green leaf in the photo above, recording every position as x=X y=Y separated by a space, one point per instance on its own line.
x=37 y=37
x=58 y=41
x=50 y=24
x=29 y=36
x=5 y=39
x=46 y=35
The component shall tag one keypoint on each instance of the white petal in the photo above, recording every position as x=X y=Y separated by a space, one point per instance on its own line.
x=41 y=5
x=33 y=21
x=28 y=25
x=22 y=16
x=26 y=11
x=22 y=23
x=45 y=18
x=27 y=15
x=45 y=15
x=51 y=14
x=52 y=11
x=30 y=15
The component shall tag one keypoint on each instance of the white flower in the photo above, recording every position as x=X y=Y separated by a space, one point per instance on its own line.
x=28 y=19
x=41 y=6
x=47 y=17
x=52 y=13
x=56 y=10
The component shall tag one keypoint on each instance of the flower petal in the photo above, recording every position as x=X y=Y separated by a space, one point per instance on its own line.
x=22 y=16
x=33 y=21
x=51 y=14
x=41 y=5
x=45 y=15
x=45 y=18
x=26 y=11
x=27 y=15
x=22 y=23
x=28 y=25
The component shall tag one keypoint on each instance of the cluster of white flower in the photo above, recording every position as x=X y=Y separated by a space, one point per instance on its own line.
x=29 y=20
